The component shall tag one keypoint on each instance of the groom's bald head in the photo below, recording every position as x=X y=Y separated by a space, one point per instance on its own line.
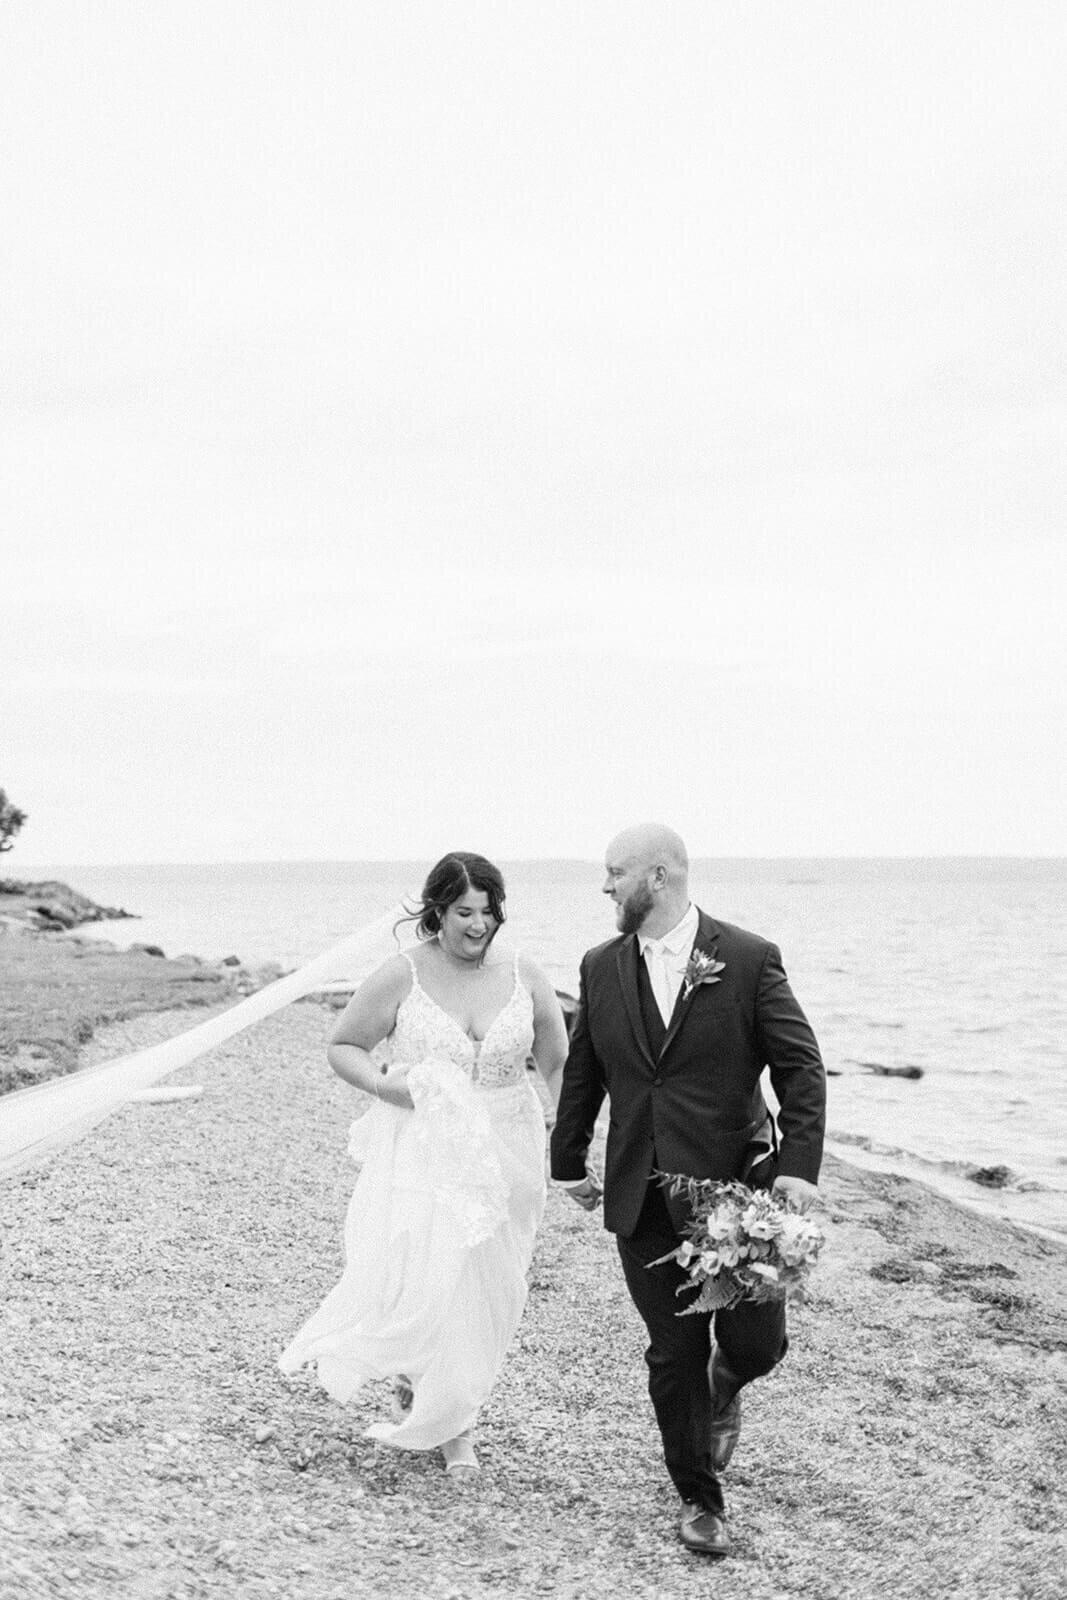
x=648 y=845
x=647 y=877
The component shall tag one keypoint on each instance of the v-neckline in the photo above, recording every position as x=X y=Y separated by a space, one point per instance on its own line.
x=476 y=1044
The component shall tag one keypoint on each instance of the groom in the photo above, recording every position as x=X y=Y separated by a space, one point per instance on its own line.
x=681 y=1064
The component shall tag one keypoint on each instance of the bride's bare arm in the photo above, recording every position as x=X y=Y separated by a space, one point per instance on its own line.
x=550 y=1032
x=364 y=1023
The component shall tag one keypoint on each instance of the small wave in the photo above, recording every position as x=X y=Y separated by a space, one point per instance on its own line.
x=862 y=1141
x=1016 y=1183
x=859 y=1139
x=992 y=1027
x=952 y=1178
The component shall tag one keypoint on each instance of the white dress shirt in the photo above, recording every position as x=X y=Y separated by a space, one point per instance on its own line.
x=667 y=958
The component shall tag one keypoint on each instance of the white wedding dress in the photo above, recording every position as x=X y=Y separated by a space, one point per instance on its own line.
x=441 y=1225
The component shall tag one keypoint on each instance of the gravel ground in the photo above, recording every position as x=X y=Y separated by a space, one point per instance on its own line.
x=911 y=1444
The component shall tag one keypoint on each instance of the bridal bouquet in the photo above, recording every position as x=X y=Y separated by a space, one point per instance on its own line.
x=741 y=1244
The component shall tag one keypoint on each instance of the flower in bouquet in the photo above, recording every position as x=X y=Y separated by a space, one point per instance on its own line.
x=741 y=1244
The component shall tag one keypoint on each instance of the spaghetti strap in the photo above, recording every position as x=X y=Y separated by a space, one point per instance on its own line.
x=410 y=959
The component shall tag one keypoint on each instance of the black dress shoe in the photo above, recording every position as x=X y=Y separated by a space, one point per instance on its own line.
x=703 y=1531
x=725 y=1432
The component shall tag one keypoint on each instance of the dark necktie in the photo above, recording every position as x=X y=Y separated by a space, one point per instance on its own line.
x=655 y=1027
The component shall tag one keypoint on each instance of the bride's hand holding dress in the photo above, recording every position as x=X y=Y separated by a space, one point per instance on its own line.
x=369 y=1018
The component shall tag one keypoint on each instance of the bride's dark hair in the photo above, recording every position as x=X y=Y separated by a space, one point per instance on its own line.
x=451 y=878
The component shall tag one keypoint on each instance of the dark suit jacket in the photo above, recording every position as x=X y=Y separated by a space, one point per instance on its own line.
x=698 y=1108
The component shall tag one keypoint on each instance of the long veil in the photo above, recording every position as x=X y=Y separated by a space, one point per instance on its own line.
x=37 y=1121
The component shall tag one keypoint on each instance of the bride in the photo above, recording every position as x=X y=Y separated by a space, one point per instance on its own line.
x=441 y=1225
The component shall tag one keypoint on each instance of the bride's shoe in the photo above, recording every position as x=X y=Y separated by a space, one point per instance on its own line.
x=403 y=1397
x=460 y=1459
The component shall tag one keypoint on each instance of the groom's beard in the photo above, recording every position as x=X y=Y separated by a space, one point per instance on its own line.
x=634 y=909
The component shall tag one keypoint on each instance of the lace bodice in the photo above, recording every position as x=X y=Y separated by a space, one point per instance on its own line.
x=424 y=1030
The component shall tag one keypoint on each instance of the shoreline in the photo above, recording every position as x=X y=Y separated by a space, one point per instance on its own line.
x=177 y=1246
x=953 y=1187
x=60 y=986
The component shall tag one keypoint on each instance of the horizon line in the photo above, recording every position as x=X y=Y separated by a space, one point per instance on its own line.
x=547 y=860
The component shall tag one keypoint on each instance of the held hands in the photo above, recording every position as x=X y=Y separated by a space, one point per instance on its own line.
x=587 y=1194
x=795 y=1192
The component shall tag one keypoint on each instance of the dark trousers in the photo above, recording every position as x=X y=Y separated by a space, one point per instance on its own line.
x=751 y=1340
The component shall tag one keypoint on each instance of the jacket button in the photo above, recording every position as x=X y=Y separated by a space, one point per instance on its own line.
x=656 y=1082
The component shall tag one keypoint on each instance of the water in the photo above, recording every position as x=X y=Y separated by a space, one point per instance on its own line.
x=953 y=966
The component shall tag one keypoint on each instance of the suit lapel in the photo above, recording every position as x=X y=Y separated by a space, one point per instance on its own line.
x=626 y=959
x=706 y=937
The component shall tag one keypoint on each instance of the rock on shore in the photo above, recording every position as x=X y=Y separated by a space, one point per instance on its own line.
x=50 y=906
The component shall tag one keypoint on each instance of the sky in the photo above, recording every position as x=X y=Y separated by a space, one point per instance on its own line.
x=429 y=426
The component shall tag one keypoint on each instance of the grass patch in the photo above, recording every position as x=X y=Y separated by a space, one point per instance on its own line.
x=55 y=992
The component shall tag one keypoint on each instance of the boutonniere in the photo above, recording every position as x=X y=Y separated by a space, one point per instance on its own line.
x=702 y=968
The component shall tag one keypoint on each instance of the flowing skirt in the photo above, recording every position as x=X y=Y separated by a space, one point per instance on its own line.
x=438 y=1239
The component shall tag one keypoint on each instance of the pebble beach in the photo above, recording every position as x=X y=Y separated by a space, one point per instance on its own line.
x=912 y=1443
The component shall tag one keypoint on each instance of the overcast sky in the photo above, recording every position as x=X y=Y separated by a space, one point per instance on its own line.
x=431 y=425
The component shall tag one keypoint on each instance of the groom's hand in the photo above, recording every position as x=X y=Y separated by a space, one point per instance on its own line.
x=586 y=1194
x=796 y=1192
